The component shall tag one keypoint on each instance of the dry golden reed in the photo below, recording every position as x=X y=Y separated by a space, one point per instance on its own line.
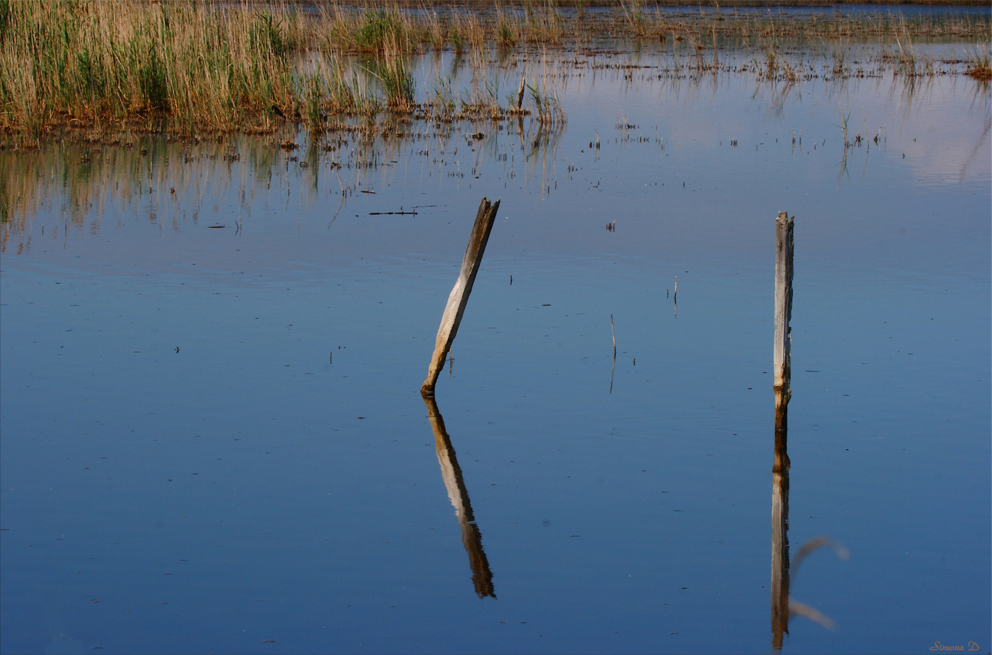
x=190 y=67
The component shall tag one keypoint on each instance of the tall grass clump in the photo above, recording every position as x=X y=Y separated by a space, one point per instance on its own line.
x=382 y=29
x=313 y=98
x=980 y=67
x=81 y=62
x=396 y=81
x=466 y=31
x=548 y=111
x=440 y=106
x=544 y=25
x=506 y=36
x=634 y=18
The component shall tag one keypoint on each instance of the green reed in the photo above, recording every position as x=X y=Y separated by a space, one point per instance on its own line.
x=191 y=67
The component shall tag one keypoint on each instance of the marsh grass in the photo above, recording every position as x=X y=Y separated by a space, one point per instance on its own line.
x=192 y=68
x=313 y=114
x=545 y=25
x=544 y=96
x=440 y=106
x=395 y=80
x=634 y=18
x=80 y=63
x=980 y=66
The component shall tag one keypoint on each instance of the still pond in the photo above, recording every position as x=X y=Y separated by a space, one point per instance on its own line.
x=213 y=438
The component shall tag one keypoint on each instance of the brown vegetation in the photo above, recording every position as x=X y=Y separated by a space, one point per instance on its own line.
x=192 y=68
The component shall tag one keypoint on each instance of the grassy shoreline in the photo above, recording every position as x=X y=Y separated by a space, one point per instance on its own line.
x=186 y=68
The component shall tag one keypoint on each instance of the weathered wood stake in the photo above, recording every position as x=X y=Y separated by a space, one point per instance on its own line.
x=783 y=392
x=458 y=298
x=783 y=303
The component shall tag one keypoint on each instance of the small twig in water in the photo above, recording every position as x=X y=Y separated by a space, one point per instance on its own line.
x=614 y=337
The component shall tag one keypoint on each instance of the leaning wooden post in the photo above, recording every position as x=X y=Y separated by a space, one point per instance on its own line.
x=458 y=297
x=783 y=302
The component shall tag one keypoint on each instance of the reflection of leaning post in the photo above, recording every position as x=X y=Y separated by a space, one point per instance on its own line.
x=482 y=577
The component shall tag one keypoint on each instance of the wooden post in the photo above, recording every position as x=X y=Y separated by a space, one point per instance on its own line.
x=783 y=392
x=783 y=302
x=451 y=473
x=458 y=298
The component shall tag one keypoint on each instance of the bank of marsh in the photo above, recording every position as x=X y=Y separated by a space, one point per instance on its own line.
x=190 y=68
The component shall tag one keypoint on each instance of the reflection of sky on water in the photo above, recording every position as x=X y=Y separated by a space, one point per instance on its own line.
x=243 y=500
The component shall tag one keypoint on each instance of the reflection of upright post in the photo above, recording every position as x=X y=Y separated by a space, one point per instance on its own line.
x=780 y=524
x=458 y=298
x=780 y=469
x=482 y=577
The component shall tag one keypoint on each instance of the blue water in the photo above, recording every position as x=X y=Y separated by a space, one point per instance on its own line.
x=213 y=440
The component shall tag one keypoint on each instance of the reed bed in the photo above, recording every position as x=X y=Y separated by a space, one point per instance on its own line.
x=191 y=68
x=83 y=63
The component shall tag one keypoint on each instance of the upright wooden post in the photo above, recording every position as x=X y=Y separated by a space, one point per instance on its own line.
x=783 y=302
x=458 y=298
x=783 y=392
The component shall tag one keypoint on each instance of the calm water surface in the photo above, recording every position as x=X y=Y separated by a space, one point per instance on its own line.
x=213 y=439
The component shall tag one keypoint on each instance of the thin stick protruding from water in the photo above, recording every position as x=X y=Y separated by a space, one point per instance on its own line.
x=614 y=368
x=458 y=298
x=675 y=297
x=613 y=332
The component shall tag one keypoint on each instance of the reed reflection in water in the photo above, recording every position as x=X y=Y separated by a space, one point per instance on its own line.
x=451 y=473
